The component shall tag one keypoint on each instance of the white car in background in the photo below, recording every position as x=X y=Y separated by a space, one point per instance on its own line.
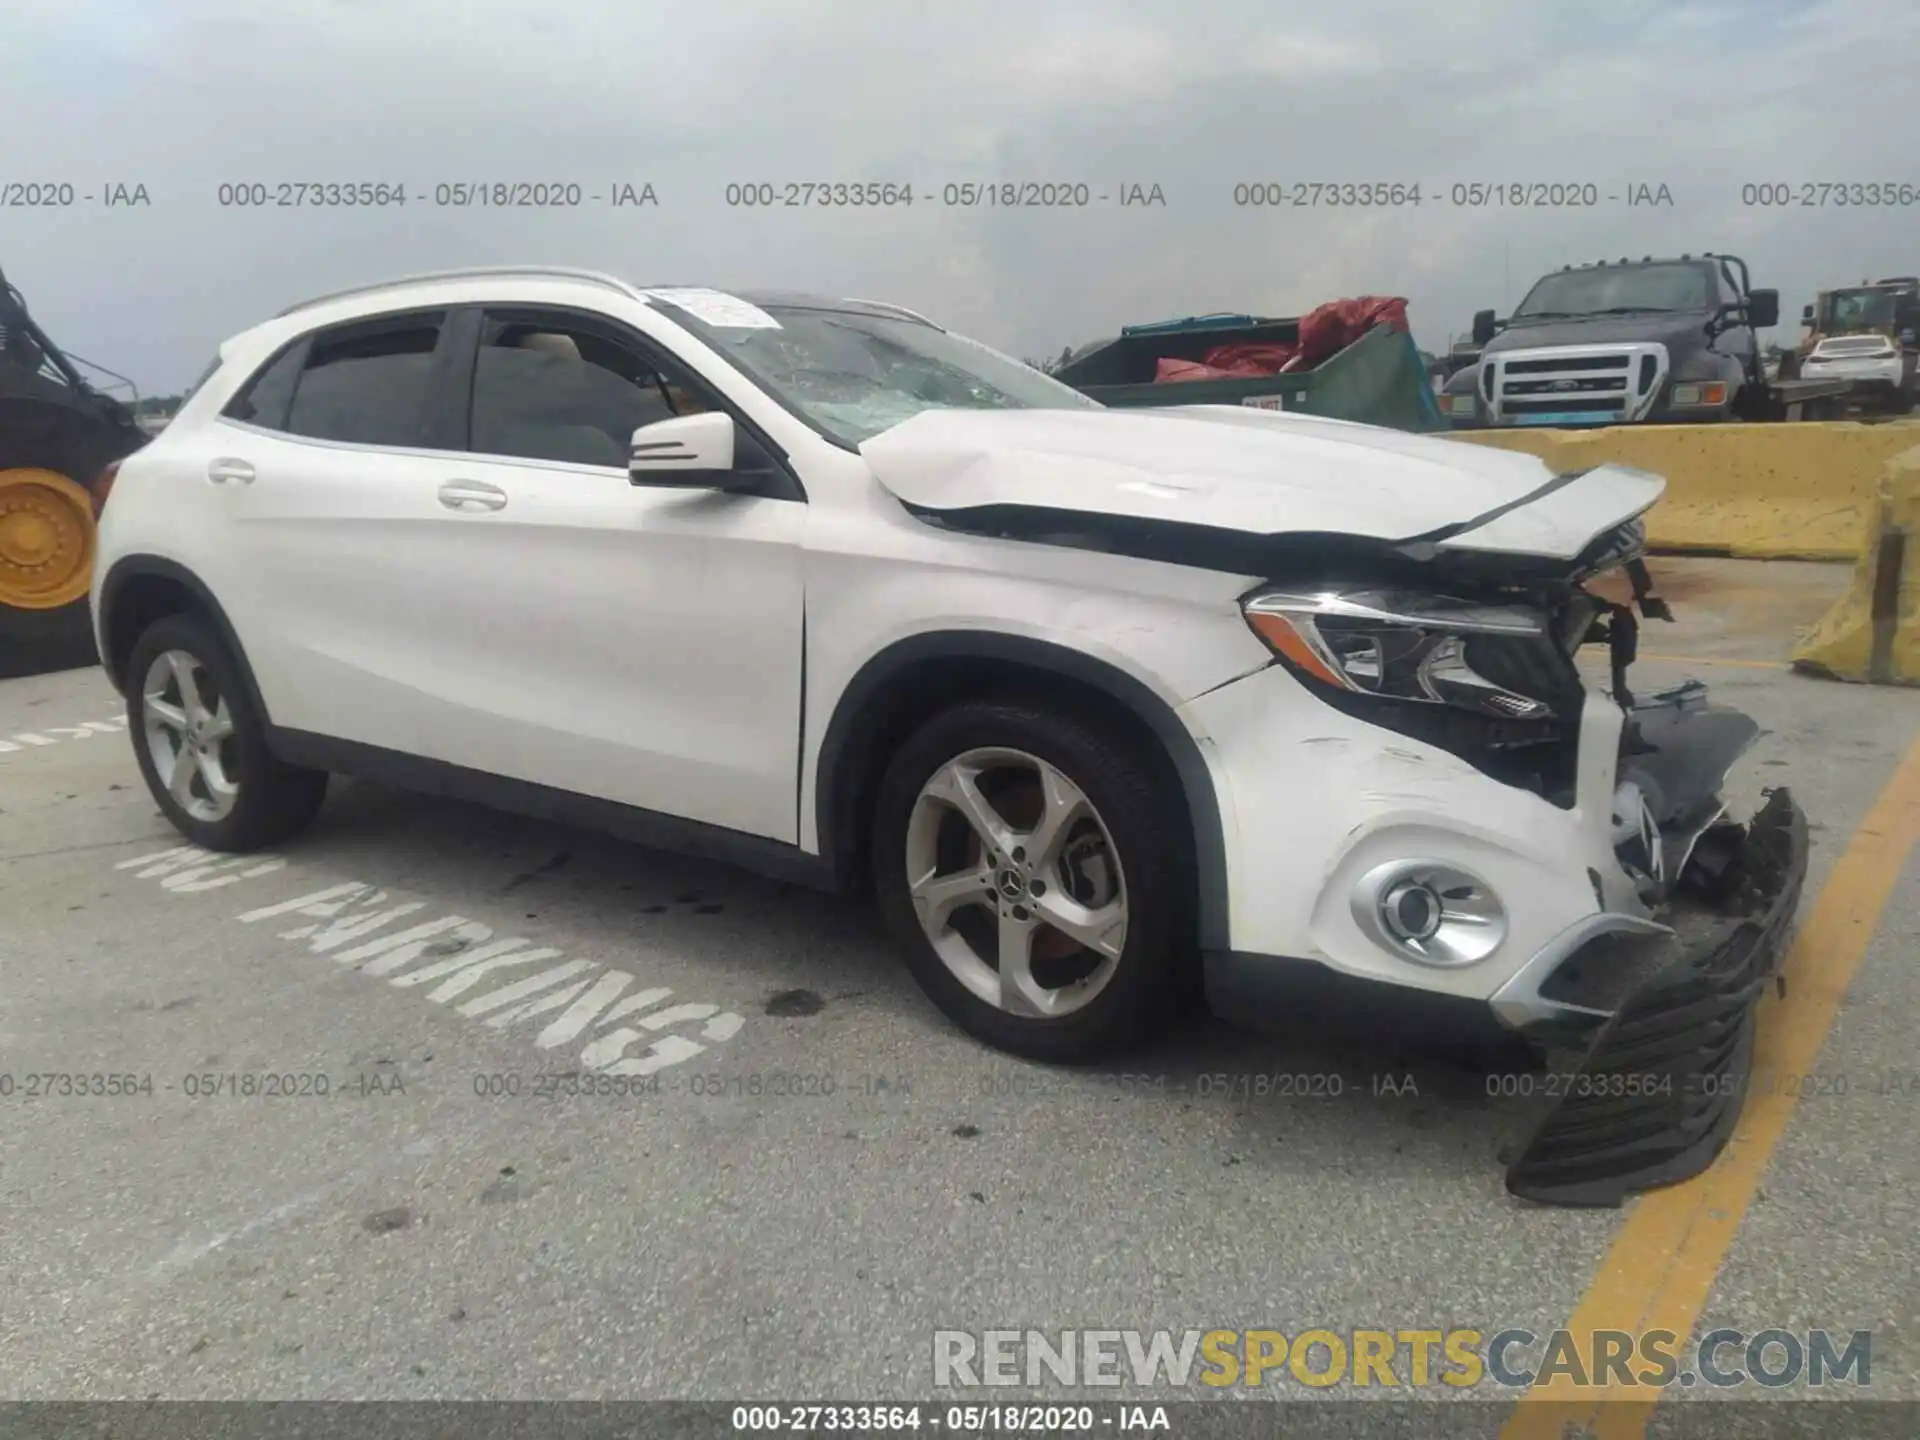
x=1879 y=367
x=1109 y=708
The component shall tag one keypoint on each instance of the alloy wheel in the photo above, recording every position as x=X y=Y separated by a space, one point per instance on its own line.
x=1016 y=882
x=188 y=726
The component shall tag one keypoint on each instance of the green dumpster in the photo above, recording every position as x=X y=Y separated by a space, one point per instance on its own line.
x=1379 y=379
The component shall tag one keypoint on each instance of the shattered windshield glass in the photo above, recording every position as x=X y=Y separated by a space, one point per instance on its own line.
x=853 y=374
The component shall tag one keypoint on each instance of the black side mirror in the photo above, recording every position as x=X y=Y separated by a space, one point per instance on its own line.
x=1806 y=315
x=1484 y=326
x=1763 y=308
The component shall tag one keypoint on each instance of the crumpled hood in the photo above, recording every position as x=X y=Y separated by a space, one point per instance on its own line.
x=1254 y=471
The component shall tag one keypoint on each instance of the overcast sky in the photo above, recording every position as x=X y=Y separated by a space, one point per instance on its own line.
x=1194 y=96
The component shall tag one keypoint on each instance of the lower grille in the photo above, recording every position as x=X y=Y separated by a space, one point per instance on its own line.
x=1664 y=1082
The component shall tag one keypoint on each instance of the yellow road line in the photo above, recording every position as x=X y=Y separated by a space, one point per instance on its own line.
x=1668 y=1252
x=1738 y=664
x=1598 y=665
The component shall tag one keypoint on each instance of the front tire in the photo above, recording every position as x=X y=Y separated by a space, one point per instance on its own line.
x=1029 y=863
x=202 y=748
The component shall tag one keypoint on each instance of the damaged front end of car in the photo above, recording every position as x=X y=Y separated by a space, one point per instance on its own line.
x=1468 y=639
x=1644 y=1010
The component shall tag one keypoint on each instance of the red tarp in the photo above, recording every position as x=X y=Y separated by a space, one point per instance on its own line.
x=1226 y=362
x=1323 y=333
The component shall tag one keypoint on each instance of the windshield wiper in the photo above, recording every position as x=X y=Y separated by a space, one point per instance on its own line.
x=1636 y=310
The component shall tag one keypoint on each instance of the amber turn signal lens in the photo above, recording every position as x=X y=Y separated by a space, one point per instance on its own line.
x=1279 y=632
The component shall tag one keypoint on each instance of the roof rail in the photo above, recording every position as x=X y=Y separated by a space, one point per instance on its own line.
x=896 y=309
x=531 y=272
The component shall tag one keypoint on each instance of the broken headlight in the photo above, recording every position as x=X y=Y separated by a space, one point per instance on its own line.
x=1501 y=661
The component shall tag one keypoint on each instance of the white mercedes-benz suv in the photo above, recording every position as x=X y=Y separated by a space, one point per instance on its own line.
x=1112 y=709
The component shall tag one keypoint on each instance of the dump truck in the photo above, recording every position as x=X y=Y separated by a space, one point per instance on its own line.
x=1346 y=360
x=1869 y=335
x=1629 y=342
x=60 y=442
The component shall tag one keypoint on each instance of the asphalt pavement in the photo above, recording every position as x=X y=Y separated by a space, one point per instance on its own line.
x=315 y=1170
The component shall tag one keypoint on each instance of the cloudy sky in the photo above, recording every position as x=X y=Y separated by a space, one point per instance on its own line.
x=1194 y=96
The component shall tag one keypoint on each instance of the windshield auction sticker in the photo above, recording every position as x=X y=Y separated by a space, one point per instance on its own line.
x=717 y=308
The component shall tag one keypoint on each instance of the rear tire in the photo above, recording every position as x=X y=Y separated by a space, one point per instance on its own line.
x=973 y=911
x=202 y=748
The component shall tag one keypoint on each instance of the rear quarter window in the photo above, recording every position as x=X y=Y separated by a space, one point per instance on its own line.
x=264 y=399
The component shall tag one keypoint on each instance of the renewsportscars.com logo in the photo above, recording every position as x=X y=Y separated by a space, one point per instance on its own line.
x=1405 y=1359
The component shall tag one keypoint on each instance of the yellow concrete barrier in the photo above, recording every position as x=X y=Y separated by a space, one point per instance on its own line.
x=1872 y=633
x=1788 y=491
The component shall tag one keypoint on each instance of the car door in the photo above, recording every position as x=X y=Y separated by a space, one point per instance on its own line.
x=635 y=643
x=323 y=467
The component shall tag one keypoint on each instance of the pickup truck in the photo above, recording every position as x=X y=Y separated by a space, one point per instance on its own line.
x=1623 y=342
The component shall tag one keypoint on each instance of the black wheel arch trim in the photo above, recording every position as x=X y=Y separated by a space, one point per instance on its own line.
x=137 y=567
x=841 y=746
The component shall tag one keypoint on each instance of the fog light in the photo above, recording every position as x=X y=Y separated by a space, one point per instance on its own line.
x=1411 y=911
x=1430 y=912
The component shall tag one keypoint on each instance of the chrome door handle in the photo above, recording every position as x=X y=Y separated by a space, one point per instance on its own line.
x=472 y=495
x=219 y=472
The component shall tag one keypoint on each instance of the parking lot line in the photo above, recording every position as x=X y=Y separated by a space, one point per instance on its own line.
x=1663 y=1263
x=1735 y=664
x=1599 y=666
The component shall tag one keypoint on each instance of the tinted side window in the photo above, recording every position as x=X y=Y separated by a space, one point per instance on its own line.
x=366 y=384
x=548 y=389
x=263 y=400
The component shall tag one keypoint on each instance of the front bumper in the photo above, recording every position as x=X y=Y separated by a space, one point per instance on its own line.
x=1640 y=925
x=1664 y=1077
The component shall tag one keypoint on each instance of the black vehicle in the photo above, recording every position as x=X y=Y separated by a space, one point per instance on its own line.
x=1626 y=342
x=59 y=439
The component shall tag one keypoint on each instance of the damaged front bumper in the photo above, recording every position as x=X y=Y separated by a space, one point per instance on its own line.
x=1664 y=1075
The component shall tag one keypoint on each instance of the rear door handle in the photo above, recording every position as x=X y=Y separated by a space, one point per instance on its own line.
x=472 y=495
x=219 y=472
